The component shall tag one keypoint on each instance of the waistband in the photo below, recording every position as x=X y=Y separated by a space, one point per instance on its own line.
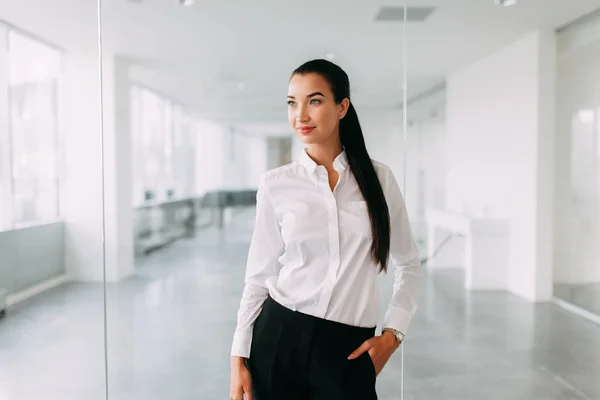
x=274 y=308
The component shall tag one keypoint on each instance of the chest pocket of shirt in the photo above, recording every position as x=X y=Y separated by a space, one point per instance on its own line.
x=359 y=220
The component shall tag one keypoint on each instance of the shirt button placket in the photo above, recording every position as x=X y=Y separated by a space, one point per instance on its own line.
x=334 y=250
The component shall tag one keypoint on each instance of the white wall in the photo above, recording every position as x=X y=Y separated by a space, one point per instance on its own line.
x=228 y=158
x=500 y=152
x=384 y=137
x=245 y=160
x=211 y=148
x=416 y=160
x=256 y=149
x=426 y=172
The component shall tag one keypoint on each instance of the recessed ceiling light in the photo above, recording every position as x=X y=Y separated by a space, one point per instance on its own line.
x=186 y=3
x=506 y=3
x=330 y=56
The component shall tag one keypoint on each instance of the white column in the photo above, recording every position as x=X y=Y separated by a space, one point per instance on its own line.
x=87 y=212
x=81 y=192
x=118 y=172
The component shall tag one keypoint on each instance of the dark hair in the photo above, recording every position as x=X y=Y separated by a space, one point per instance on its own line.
x=362 y=168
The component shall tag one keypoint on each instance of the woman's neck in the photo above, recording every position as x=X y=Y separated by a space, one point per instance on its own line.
x=324 y=154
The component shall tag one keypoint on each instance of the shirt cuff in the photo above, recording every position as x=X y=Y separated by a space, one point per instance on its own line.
x=397 y=318
x=241 y=344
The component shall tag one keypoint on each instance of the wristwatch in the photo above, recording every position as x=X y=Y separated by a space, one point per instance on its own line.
x=399 y=335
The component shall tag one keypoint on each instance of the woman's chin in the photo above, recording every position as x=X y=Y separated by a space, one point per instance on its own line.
x=308 y=138
x=304 y=139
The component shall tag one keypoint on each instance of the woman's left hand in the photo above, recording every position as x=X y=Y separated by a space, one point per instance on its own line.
x=380 y=349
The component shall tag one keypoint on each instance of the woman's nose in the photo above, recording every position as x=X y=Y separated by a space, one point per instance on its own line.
x=302 y=116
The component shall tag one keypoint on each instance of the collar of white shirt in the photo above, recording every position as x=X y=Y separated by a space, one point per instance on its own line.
x=339 y=164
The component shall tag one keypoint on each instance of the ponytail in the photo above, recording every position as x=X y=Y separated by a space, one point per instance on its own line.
x=363 y=170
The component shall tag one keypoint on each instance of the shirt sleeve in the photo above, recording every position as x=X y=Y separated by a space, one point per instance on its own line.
x=404 y=261
x=265 y=248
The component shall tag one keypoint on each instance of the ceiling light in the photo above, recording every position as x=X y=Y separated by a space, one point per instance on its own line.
x=186 y=3
x=506 y=3
x=330 y=56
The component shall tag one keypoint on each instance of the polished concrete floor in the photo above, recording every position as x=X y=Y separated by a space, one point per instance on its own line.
x=170 y=327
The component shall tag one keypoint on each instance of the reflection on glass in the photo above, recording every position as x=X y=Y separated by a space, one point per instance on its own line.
x=577 y=255
x=582 y=285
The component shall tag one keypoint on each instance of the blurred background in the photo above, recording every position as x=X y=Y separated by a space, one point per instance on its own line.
x=133 y=134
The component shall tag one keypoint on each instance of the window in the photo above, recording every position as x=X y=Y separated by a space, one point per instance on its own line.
x=163 y=148
x=29 y=184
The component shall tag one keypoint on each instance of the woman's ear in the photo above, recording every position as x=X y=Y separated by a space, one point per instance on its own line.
x=344 y=105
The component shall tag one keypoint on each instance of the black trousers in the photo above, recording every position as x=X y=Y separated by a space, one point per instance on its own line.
x=298 y=356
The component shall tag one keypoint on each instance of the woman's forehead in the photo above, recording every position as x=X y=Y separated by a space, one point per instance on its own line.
x=307 y=84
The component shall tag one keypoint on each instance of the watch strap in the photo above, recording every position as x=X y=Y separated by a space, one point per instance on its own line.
x=399 y=335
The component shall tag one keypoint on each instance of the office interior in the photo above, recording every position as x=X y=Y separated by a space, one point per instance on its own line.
x=133 y=134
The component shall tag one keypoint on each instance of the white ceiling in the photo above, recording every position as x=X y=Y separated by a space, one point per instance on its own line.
x=198 y=54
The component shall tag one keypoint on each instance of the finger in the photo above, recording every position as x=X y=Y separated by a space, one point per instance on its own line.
x=237 y=395
x=363 y=347
x=248 y=391
x=371 y=352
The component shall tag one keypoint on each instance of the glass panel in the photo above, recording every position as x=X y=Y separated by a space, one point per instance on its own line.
x=503 y=193
x=577 y=270
x=51 y=202
x=194 y=97
x=6 y=192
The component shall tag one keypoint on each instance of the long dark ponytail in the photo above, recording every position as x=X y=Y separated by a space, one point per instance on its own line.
x=360 y=163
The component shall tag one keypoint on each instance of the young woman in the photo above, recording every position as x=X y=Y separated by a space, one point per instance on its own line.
x=326 y=226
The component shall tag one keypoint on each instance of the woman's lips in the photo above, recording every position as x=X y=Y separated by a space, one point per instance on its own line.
x=306 y=129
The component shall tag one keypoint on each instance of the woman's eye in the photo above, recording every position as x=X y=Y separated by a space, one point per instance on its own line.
x=291 y=103
x=315 y=101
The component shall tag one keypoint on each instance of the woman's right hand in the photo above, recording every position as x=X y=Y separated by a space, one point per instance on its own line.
x=241 y=383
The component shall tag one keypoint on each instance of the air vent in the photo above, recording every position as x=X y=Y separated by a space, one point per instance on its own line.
x=396 y=14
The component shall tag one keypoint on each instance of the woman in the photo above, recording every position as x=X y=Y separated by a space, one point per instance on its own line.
x=325 y=227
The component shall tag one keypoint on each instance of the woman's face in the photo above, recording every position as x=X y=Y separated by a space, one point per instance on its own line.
x=312 y=110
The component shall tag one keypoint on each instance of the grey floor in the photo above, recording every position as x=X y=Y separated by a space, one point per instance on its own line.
x=586 y=296
x=169 y=331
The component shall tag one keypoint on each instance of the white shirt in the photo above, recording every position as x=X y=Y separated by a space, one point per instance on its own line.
x=311 y=250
